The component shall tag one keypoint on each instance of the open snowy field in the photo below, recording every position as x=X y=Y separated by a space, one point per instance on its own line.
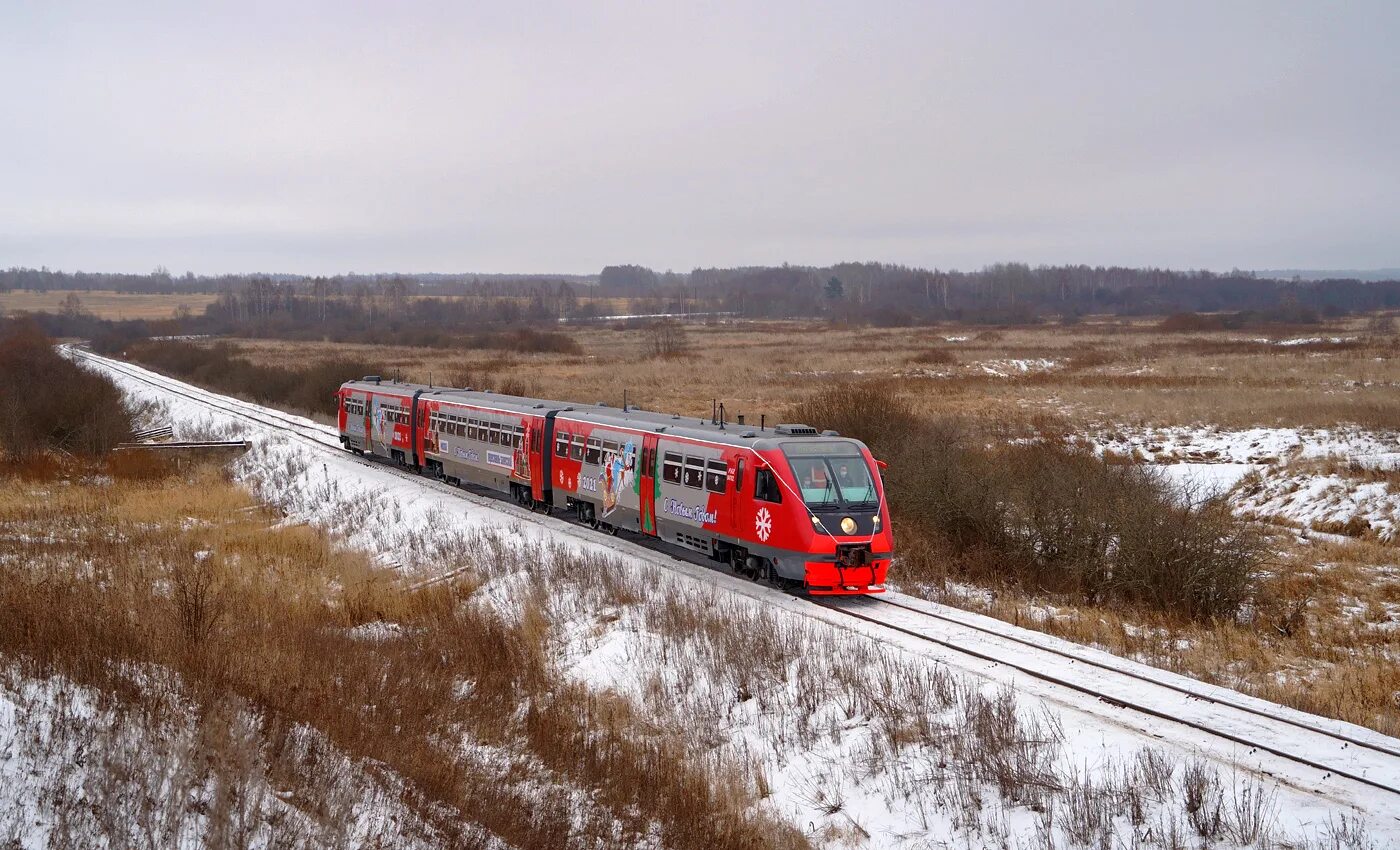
x=853 y=736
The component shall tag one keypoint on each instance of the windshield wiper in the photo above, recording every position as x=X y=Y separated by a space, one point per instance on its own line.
x=867 y=499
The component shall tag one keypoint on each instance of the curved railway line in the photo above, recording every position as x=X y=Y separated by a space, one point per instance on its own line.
x=1328 y=751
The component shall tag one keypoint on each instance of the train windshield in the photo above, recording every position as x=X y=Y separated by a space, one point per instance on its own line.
x=832 y=475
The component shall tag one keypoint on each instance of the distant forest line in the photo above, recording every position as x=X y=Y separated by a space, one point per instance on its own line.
x=391 y=308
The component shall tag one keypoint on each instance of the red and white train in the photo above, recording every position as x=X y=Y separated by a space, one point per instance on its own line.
x=786 y=503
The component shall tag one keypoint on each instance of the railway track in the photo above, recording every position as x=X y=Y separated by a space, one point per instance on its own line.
x=1331 y=750
x=1305 y=751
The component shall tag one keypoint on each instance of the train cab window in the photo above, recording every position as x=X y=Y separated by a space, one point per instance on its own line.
x=694 y=472
x=716 y=471
x=561 y=444
x=671 y=469
x=594 y=452
x=765 y=486
x=576 y=451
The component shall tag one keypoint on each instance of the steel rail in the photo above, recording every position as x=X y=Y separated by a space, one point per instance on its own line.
x=1060 y=681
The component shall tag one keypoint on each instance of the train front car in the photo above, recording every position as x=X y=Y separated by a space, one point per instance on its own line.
x=822 y=499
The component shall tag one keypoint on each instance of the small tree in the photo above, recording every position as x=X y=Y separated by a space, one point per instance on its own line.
x=72 y=306
x=835 y=289
x=666 y=339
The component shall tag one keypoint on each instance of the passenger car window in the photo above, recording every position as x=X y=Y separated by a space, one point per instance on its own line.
x=594 y=452
x=716 y=471
x=561 y=444
x=671 y=469
x=694 y=472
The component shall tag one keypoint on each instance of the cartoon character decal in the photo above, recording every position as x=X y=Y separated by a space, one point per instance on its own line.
x=619 y=471
x=379 y=417
x=521 y=455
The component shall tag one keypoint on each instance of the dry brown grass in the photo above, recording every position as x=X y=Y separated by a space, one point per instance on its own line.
x=187 y=573
x=105 y=304
x=1106 y=371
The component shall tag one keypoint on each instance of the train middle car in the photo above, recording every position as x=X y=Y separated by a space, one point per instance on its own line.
x=786 y=503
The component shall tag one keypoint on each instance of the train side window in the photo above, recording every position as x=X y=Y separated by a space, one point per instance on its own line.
x=535 y=440
x=594 y=452
x=561 y=444
x=516 y=437
x=694 y=472
x=471 y=429
x=671 y=469
x=716 y=471
x=494 y=434
x=576 y=452
x=739 y=475
x=765 y=487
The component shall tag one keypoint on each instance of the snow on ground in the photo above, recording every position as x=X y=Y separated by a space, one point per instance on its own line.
x=1288 y=488
x=1325 y=503
x=1315 y=340
x=865 y=742
x=80 y=770
x=1005 y=368
x=1250 y=445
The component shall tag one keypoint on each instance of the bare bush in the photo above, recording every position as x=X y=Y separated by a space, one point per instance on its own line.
x=873 y=412
x=50 y=403
x=666 y=339
x=931 y=356
x=1061 y=520
x=309 y=387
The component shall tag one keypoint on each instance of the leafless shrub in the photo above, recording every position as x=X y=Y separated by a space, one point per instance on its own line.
x=1252 y=811
x=874 y=412
x=931 y=356
x=666 y=339
x=1059 y=519
x=51 y=403
x=1203 y=800
x=1382 y=324
x=1154 y=772
x=196 y=594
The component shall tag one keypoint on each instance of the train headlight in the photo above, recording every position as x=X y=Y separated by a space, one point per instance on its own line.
x=876 y=518
x=848 y=525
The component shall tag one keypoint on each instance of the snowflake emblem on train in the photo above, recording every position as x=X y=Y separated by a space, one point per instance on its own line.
x=763 y=524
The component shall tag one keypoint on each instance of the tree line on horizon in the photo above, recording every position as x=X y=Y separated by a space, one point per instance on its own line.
x=445 y=311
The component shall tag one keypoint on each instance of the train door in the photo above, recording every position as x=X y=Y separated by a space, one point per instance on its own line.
x=738 y=472
x=648 y=484
x=367 y=434
x=533 y=441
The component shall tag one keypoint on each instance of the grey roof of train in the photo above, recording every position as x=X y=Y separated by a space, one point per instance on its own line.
x=674 y=424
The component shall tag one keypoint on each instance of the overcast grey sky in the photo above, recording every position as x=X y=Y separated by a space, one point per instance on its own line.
x=325 y=137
